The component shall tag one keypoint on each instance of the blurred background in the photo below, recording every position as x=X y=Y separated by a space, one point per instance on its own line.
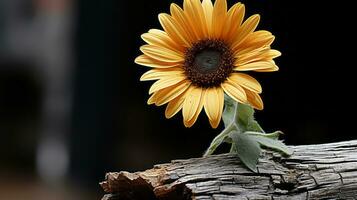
x=72 y=106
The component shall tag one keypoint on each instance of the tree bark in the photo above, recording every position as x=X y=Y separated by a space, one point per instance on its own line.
x=324 y=171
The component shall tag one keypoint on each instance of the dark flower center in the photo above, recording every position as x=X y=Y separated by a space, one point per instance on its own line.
x=208 y=63
x=207 y=60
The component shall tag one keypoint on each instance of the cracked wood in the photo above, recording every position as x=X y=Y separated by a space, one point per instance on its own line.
x=324 y=171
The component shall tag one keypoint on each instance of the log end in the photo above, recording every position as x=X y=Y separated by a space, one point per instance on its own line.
x=150 y=185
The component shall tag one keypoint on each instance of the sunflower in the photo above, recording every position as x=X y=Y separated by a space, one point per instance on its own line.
x=202 y=53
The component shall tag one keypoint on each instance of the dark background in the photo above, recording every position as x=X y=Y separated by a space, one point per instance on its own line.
x=111 y=128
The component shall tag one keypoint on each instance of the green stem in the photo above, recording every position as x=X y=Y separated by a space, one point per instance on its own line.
x=219 y=139
x=229 y=116
x=245 y=135
x=236 y=117
x=233 y=148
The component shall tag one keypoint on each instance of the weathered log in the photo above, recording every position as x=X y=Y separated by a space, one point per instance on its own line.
x=324 y=171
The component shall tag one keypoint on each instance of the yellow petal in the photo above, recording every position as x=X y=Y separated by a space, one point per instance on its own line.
x=167 y=94
x=246 y=82
x=192 y=103
x=265 y=54
x=175 y=105
x=218 y=17
x=198 y=8
x=179 y=16
x=272 y=69
x=258 y=36
x=152 y=99
x=161 y=53
x=189 y=123
x=173 y=29
x=150 y=62
x=255 y=40
x=208 y=10
x=195 y=17
x=158 y=73
x=233 y=22
x=235 y=91
x=213 y=104
x=166 y=82
x=255 y=100
x=247 y=27
x=251 y=56
x=261 y=65
x=161 y=39
x=271 y=54
x=165 y=37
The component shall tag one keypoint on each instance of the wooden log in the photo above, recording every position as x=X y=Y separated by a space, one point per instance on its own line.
x=324 y=171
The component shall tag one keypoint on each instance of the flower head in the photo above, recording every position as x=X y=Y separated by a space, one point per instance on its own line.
x=203 y=53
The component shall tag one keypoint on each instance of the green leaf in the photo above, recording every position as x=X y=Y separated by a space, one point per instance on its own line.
x=230 y=111
x=246 y=119
x=236 y=116
x=245 y=134
x=241 y=115
x=218 y=140
x=270 y=141
x=274 y=135
x=247 y=149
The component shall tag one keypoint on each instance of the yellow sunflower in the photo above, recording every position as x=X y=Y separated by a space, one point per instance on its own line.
x=202 y=53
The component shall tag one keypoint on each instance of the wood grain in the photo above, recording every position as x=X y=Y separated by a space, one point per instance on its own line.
x=324 y=171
